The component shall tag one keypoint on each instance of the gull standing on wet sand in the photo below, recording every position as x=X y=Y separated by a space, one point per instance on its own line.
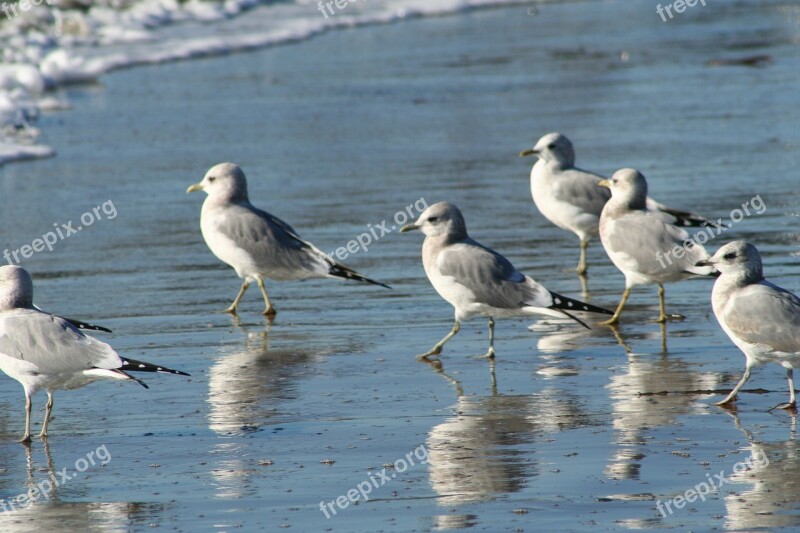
x=476 y=280
x=762 y=319
x=43 y=351
x=641 y=244
x=256 y=244
x=569 y=197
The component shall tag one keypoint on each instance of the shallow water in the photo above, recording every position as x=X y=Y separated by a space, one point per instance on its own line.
x=571 y=429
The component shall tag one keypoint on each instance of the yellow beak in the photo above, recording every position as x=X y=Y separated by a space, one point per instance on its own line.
x=408 y=227
x=526 y=153
x=604 y=183
x=195 y=187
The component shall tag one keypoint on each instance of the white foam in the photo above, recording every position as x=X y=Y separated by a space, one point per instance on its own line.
x=45 y=49
x=19 y=152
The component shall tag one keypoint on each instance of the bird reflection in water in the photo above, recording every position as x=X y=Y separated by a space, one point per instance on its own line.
x=245 y=386
x=774 y=481
x=651 y=390
x=245 y=383
x=49 y=513
x=487 y=449
x=556 y=335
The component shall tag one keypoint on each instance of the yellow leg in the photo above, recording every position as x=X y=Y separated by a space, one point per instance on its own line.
x=437 y=348
x=27 y=436
x=269 y=310
x=47 y=411
x=235 y=304
x=582 y=268
x=791 y=404
x=490 y=353
x=732 y=396
x=615 y=318
x=662 y=308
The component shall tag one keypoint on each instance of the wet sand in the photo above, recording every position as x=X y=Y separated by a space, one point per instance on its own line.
x=570 y=429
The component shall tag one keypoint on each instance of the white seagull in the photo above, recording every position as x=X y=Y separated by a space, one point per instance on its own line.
x=255 y=243
x=762 y=319
x=641 y=244
x=476 y=280
x=44 y=351
x=569 y=197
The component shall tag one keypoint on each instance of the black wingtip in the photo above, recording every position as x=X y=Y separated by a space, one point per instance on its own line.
x=134 y=378
x=371 y=281
x=131 y=365
x=341 y=271
x=80 y=324
x=689 y=220
x=563 y=303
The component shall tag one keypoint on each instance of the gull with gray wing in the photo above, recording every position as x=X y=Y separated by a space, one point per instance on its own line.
x=44 y=351
x=569 y=197
x=476 y=280
x=761 y=318
x=641 y=244
x=255 y=243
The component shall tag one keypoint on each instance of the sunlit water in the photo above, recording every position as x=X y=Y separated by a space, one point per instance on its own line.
x=574 y=429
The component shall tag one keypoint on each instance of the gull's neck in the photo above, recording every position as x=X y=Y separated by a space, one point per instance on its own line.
x=631 y=199
x=732 y=281
x=15 y=299
x=553 y=164
x=226 y=200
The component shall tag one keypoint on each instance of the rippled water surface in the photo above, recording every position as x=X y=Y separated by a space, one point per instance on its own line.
x=570 y=429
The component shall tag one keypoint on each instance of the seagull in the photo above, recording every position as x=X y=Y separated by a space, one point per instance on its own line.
x=642 y=245
x=476 y=280
x=44 y=351
x=569 y=197
x=255 y=243
x=762 y=319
